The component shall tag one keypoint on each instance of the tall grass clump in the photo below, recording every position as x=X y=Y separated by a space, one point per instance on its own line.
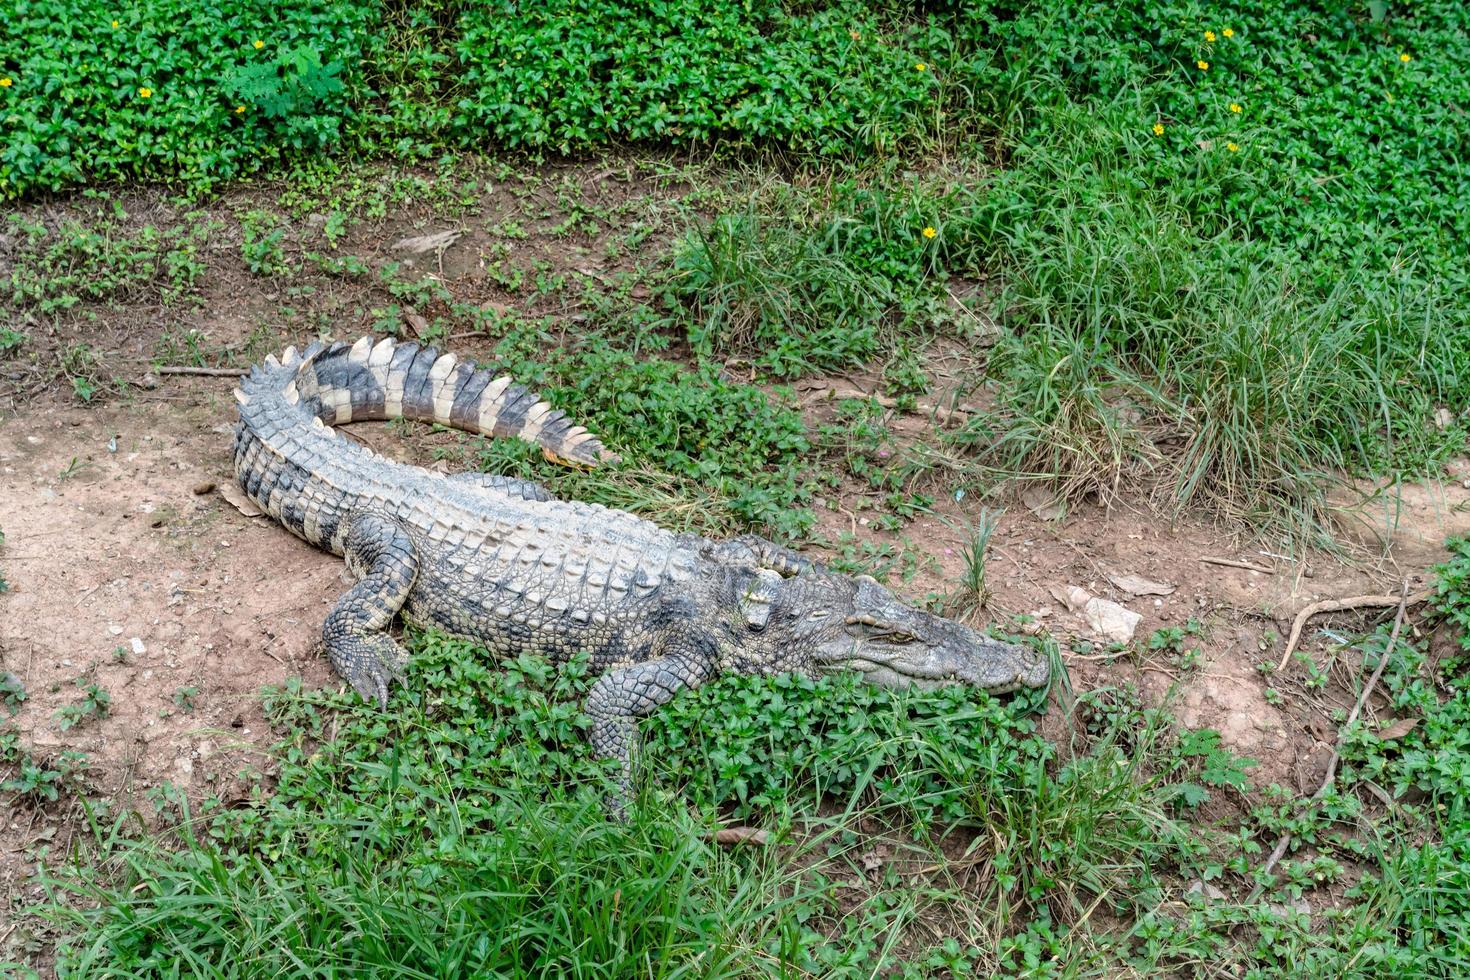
x=1149 y=344
x=803 y=279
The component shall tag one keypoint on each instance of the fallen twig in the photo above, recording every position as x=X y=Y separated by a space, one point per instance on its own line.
x=1235 y=563
x=1339 y=605
x=207 y=372
x=1398 y=624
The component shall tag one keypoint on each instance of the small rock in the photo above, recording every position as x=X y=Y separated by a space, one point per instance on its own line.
x=138 y=646
x=1110 y=620
x=1043 y=503
x=1443 y=418
x=203 y=487
x=1107 y=619
x=115 y=629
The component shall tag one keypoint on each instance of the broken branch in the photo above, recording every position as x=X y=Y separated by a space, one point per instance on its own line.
x=1398 y=624
x=207 y=372
x=1340 y=605
x=1234 y=563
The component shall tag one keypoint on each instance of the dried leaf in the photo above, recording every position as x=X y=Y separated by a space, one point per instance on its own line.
x=1071 y=596
x=1398 y=729
x=419 y=324
x=873 y=860
x=420 y=244
x=237 y=499
x=729 y=836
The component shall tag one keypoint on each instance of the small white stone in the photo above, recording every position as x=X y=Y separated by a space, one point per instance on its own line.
x=115 y=629
x=138 y=646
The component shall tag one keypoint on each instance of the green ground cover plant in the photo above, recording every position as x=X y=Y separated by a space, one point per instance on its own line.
x=471 y=807
x=171 y=89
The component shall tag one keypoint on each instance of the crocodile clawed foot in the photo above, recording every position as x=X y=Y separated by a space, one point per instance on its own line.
x=372 y=663
x=616 y=807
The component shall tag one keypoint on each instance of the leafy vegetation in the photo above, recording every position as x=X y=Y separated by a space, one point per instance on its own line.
x=471 y=808
x=170 y=89
x=1220 y=254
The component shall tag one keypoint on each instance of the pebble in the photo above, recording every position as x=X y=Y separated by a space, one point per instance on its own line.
x=138 y=646
x=200 y=489
x=115 y=629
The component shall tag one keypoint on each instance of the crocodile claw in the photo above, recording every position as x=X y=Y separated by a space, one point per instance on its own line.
x=375 y=663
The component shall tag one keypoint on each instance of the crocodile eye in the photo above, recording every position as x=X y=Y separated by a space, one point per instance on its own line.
x=895 y=637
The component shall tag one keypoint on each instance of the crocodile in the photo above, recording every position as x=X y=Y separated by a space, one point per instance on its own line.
x=502 y=562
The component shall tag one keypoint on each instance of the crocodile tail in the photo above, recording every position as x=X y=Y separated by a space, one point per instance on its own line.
x=340 y=383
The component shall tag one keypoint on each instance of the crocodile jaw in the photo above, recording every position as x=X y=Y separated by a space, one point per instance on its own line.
x=974 y=661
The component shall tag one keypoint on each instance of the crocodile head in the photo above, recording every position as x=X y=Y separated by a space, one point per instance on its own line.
x=824 y=623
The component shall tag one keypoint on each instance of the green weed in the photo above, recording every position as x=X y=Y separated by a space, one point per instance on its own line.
x=97 y=703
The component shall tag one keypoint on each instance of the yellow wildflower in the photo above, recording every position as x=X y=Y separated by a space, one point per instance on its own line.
x=1235 y=107
x=1158 y=129
x=1203 y=65
x=1404 y=56
x=1210 y=37
x=145 y=92
x=929 y=232
x=1228 y=32
x=257 y=44
x=4 y=83
x=1232 y=147
x=114 y=25
x=239 y=108
x=921 y=67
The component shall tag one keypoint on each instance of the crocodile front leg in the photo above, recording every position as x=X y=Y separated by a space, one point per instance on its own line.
x=621 y=696
x=384 y=556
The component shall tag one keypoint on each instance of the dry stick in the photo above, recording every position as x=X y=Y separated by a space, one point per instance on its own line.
x=207 y=372
x=1233 y=563
x=1342 y=735
x=1339 y=605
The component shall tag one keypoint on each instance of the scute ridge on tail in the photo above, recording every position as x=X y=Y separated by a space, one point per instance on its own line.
x=340 y=382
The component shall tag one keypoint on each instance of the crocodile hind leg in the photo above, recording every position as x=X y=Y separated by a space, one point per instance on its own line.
x=621 y=696
x=765 y=554
x=355 y=632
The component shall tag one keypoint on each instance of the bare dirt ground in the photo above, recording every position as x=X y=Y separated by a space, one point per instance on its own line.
x=128 y=569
